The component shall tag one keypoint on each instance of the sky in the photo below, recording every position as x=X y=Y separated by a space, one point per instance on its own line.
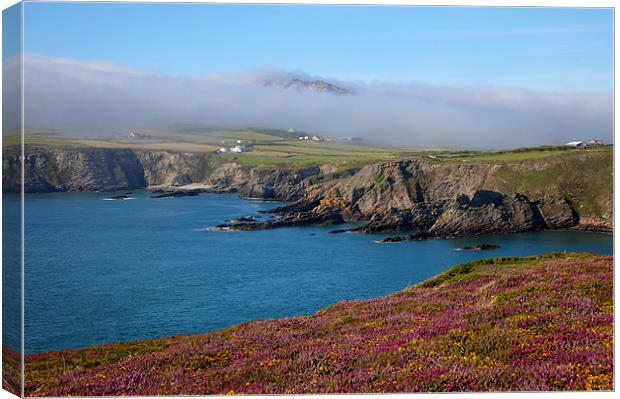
x=421 y=76
x=537 y=48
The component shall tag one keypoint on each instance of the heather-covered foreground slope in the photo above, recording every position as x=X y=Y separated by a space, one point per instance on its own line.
x=505 y=324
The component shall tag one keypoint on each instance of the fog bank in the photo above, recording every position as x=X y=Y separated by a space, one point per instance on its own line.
x=86 y=97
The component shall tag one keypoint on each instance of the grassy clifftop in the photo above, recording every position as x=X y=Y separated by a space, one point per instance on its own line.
x=536 y=323
x=585 y=178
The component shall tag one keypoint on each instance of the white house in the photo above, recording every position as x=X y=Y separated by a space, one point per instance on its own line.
x=575 y=144
x=239 y=148
x=316 y=138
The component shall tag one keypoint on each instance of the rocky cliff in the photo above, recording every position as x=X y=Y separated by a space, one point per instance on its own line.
x=50 y=169
x=432 y=199
x=445 y=200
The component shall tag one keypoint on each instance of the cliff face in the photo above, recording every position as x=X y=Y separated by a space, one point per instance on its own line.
x=166 y=169
x=441 y=198
x=49 y=169
x=447 y=200
x=402 y=184
x=284 y=184
x=556 y=185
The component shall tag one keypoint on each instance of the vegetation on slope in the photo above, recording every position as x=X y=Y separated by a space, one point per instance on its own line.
x=583 y=177
x=505 y=324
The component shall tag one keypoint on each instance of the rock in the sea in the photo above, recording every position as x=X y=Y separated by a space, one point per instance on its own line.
x=241 y=219
x=390 y=240
x=416 y=236
x=176 y=193
x=481 y=247
x=119 y=197
x=314 y=218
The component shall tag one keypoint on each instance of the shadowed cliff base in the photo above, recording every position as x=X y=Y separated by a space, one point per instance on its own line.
x=542 y=323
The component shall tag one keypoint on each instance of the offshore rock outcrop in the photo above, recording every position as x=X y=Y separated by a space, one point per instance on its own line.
x=319 y=216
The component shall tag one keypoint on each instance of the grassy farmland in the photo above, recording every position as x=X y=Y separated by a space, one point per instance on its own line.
x=270 y=149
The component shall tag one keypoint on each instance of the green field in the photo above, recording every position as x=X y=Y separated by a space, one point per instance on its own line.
x=519 y=154
x=276 y=149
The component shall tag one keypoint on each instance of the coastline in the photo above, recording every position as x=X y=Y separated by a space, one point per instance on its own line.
x=329 y=325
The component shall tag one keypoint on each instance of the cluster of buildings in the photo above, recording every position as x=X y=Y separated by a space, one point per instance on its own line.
x=314 y=138
x=237 y=149
x=584 y=144
x=308 y=138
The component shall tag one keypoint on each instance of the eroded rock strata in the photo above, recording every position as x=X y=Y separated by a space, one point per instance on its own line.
x=421 y=199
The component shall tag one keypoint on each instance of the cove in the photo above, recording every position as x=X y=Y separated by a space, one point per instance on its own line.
x=101 y=271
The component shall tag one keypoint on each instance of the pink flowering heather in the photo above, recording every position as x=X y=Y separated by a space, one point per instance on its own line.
x=506 y=324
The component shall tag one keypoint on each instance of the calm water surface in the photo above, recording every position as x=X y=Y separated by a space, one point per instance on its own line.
x=99 y=271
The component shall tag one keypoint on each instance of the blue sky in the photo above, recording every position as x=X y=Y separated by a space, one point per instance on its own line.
x=538 y=48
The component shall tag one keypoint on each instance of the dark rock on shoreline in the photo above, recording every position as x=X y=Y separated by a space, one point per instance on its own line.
x=419 y=235
x=297 y=206
x=242 y=219
x=390 y=240
x=119 y=197
x=325 y=217
x=486 y=212
x=481 y=247
x=176 y=193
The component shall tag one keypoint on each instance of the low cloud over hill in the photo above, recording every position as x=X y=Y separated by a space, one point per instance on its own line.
x=85 y=97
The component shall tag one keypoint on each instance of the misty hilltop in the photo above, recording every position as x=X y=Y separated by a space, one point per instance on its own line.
x=300 y=85
x=83 y=96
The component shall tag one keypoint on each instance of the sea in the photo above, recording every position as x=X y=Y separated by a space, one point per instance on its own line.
x=100 y=270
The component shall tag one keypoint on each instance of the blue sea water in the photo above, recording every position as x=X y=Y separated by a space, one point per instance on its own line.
x=100 y=271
